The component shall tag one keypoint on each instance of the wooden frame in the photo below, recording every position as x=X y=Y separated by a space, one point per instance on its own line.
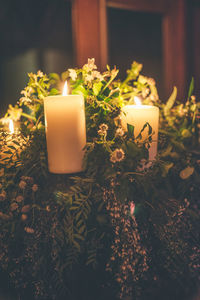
x=158 y=6
x=90 y=34
x=90 y=31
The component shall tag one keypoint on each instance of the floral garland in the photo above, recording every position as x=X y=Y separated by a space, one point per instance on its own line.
x=119 y=215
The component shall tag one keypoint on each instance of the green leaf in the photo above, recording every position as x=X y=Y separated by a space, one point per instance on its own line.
x=64 y=76
x=166 y=167
x=130 y=129
x=54 y=76
x=191 y=88
x=149 y=130
x=97 y=87
x=54 y=92
x=132 y=149
x=186 y=133
x=78 y=236
x=16 y=143
x=81 y=229
x=11 y=147
x=80 y=90
x=7 y=152
x=170 y=101
x=166 y=152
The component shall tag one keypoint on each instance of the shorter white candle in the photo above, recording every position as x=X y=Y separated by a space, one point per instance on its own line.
x=10 y=146
x=11 y=127
x=65 y=132
x=138 y=115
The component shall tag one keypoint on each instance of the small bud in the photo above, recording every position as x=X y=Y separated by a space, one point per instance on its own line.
x=23 y=217
x=35 y=188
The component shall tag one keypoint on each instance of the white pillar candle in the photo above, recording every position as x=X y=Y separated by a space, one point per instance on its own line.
x=65 y=132
x=138 y=115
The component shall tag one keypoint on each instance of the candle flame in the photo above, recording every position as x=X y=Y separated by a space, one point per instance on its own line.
x=65 y=89
x=11 y=126
x=137 y=100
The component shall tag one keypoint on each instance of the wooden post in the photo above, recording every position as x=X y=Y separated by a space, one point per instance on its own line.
x=174 y=48
x=196 y=48
x=90 y=31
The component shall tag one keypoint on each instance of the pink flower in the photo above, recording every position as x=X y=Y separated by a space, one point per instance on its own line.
x=26 y=208
x=132 y=208
x=29 y=230
x=13 y=206
x=22 y=184
x=19 y=198
x=23 y=217
x=2 y=196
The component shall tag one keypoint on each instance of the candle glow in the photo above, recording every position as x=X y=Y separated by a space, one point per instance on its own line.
x=11 y=126
x=137 y=100
x=65 y=89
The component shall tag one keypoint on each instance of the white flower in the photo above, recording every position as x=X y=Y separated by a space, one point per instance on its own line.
x=97 y=74
x=153 y=97
x=151 y=81
x=103 y=129
x=117 y=155
x=145 y=92
x=27 y=91
x=119 y=132
x=89 y=77
x=90 y=65
x=72 y=74
x=142 y=79
x=40 y=74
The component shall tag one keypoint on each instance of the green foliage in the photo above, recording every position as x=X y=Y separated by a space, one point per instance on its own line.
x=124 y=214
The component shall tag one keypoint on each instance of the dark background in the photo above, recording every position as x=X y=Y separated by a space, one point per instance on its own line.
x=33 y=35
x=39 y=35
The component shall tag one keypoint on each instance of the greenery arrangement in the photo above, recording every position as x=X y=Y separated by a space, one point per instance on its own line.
x=121 y=228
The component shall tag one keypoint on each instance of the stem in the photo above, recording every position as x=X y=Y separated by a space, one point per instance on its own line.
x=28 y=116
x=110 y=81
x=42 y=89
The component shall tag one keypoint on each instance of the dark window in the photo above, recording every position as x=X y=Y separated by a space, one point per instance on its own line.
x=33 y=35
x=136 y=36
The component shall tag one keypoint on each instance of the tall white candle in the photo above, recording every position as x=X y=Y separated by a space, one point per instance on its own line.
x=65 y=132
x=138 y=115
